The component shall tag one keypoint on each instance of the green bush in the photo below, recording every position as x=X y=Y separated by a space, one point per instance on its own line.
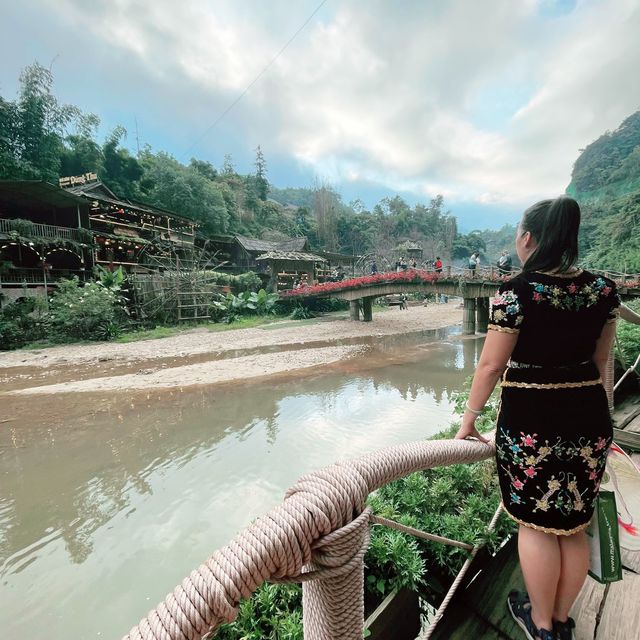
x=629 y=337
x=274 y=612
x=249 y=281
x=89 y=312
x=20 y=323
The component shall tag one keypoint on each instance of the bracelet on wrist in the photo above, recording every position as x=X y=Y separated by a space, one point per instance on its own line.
x=474 y=411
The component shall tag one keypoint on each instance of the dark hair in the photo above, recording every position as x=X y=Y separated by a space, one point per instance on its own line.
x=554 y=225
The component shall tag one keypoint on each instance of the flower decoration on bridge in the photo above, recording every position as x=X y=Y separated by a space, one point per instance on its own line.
x=392 y=277
x=416 y=276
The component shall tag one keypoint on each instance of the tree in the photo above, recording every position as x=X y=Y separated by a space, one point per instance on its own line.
x=10 y=161
x=32 y=129
x=325 y=206
x=81 y=152
x=169 y=184
x=120 y=171
x=261 y=182
x=228 y=169
x=204 y=168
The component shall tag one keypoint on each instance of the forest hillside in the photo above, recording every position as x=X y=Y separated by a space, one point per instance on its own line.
x=606 y=182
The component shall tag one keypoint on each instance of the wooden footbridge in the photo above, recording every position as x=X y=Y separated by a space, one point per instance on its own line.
x=474 y=287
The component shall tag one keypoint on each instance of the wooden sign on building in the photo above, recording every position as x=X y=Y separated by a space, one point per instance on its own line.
x=70 y=181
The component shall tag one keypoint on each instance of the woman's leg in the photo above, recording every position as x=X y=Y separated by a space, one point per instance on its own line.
x=540 y=561
x=574 y=552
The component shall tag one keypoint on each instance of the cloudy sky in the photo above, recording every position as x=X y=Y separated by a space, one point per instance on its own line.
x=486 y=102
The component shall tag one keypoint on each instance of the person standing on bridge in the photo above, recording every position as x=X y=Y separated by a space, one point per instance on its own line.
x=473 y=263
x=504 y=263
x=551 y=329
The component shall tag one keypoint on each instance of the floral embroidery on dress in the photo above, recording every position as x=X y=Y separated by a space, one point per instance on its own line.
x=506 y=309
x=571 y=297
x=522 y=458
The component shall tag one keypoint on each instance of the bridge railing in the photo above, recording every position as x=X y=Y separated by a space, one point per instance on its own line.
x=481 y=274
x=318 y=536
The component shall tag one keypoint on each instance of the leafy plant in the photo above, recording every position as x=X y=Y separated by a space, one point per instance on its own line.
x=628 y=336
x=89 y=312
x=21 y=322
x=264 y=302
x=247 y=303
x=274 y=612
x=301 y=312
x=110 y=279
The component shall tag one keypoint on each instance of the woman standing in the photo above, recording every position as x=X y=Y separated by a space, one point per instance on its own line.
x=551 y=330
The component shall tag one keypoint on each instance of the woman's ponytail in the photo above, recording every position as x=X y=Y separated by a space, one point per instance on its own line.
x=554 y=224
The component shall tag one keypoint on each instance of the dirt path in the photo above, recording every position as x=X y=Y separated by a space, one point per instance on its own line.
x=201 y=357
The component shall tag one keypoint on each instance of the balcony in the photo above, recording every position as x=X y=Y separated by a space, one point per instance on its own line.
x=29 y=229
x=36 y=277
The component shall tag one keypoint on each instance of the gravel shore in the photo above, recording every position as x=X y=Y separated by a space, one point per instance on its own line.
x=200 y=357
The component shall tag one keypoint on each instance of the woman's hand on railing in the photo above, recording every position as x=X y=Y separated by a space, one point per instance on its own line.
x=468 y=428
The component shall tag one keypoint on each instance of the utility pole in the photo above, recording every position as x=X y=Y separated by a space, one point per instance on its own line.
x=135 y=119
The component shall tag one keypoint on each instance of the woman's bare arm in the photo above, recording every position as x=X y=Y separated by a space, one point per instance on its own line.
x=496 y=352
x=603 y=347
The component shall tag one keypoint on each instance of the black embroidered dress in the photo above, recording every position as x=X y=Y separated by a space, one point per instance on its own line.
x=554 y=428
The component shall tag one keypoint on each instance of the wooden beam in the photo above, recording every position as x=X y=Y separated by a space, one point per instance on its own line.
x=627 y=439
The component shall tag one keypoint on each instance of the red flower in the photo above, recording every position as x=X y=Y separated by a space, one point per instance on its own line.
x=530 y=472
x=518 y=484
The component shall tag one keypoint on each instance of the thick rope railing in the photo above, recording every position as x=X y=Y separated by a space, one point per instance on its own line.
x=317 y=536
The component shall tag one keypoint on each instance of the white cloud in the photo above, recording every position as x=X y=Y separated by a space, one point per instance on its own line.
x=386 y=92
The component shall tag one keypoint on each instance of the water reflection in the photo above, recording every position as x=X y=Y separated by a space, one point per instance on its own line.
x=101 y=516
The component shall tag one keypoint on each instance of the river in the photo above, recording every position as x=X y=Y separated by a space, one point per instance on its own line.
x=102 y=516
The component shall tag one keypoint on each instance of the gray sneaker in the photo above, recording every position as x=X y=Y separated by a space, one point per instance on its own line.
x=520 y=608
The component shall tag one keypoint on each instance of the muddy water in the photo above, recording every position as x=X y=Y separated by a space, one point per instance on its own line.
x=107 y=502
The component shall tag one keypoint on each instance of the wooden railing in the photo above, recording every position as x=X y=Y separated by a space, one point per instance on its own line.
x=36 y=276
x=39 y=230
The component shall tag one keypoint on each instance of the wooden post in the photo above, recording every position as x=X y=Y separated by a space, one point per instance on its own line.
x=448 y=271
x=354 y=310
x=469 y=316
x=367 y=309
x=482 y=314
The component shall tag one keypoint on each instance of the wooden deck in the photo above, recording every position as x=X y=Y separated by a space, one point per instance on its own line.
x=626 y=420
x=612 y=612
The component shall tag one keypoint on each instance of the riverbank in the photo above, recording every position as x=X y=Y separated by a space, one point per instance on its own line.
x=203 y=357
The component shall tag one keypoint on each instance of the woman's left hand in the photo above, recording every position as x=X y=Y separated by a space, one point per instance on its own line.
x=468 y=428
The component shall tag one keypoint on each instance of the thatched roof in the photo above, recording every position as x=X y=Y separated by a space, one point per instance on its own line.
x=254 y=244
x=409 y=245
x=292 y=256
